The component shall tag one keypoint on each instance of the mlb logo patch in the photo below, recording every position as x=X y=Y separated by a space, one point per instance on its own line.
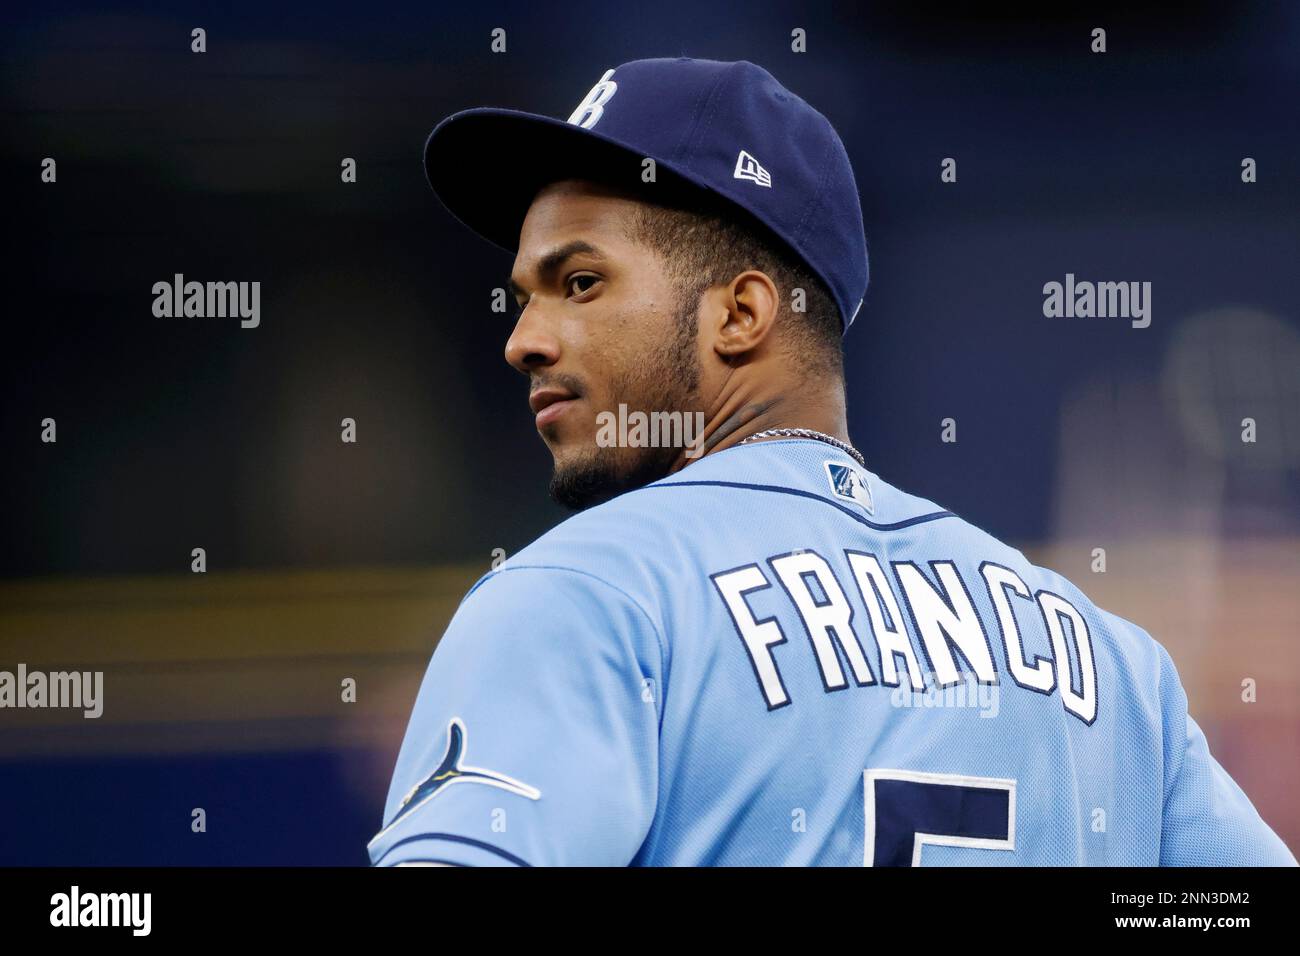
x=850 y=484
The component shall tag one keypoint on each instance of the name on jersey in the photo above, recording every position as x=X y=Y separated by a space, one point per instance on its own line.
x=941 y=615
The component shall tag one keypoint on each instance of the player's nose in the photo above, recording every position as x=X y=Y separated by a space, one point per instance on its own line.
x=530 y=345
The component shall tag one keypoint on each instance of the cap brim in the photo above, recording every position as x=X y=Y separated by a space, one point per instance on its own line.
x=486 y=166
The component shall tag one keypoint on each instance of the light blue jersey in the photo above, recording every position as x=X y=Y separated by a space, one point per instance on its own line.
x=772 y=657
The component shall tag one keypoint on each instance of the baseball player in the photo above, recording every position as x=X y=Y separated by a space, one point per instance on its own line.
x=746 y=648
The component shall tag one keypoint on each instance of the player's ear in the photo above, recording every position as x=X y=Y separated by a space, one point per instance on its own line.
x=747 y=308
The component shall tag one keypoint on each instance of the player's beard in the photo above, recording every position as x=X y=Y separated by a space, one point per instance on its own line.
x=667 y=380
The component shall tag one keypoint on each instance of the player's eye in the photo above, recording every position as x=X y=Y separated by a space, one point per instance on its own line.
x=576 y=286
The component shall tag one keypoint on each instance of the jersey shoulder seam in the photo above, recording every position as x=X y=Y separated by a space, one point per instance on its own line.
x=899 y=525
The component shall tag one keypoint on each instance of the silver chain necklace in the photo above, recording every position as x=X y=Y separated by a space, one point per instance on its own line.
x=808 y=433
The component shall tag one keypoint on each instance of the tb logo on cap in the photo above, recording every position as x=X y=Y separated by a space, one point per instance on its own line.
x=592 y=108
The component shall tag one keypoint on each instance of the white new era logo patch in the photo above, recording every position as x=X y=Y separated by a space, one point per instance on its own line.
x=747 y=167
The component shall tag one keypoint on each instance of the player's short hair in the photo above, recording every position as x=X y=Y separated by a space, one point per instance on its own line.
x=706 y=242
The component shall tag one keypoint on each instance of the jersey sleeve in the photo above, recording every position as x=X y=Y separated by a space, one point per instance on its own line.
x=534 y=738
x=1207 y=820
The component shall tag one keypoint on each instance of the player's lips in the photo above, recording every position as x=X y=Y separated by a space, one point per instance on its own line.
x=550 y=403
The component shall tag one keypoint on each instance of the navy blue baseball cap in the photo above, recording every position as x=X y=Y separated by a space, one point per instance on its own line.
x=728 y=128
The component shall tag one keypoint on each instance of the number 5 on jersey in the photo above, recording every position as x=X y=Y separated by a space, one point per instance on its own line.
x=905 y=810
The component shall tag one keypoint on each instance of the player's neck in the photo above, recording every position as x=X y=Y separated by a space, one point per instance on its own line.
x=741 y=415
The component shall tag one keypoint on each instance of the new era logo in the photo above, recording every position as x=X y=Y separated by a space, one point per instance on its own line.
x=747 y=167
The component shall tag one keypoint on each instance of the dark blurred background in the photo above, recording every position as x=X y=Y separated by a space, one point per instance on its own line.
x=329 y=560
